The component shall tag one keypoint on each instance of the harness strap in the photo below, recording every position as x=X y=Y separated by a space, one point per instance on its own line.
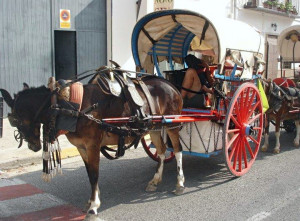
x=148 y=96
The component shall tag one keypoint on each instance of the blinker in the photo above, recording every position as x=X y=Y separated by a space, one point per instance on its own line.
x=12 y=120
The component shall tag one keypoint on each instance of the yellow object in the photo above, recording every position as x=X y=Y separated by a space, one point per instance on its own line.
x=263 y=96
x=69 y=152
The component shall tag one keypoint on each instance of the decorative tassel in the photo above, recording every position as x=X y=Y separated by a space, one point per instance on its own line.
x=51 y=160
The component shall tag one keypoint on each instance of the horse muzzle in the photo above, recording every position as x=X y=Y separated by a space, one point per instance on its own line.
x=35 y=146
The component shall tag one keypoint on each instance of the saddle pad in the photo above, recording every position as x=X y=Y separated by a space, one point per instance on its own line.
x=76 y=93
x=283 y=82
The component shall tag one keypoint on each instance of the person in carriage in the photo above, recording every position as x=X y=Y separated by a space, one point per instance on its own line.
x=198 y=81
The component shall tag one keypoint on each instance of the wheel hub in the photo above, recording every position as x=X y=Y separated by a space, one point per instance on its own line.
x=248 y=130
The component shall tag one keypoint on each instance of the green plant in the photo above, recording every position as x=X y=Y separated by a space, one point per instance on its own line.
x=282 y=6
x=269 y=3
x=275 y=3
x=288 y=6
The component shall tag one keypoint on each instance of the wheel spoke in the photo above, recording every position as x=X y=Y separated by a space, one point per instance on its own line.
x=257 y=128
x=249 y=148
x=254 y=118
x=251 y=99
x=255 y=141
x=234 y=130
x=237 y=112
x=240 y=155
x=237 y=124
x=245 y=156
x=252 y=109
x=244 y=105
x=232 y=140
x=236 y=155
x=233 y=149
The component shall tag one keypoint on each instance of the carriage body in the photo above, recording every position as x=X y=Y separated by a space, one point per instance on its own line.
x=161 y=40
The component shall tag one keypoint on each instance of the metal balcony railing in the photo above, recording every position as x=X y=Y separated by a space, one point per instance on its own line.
x=288 y=8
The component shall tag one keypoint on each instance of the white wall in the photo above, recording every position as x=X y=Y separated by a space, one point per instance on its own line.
x=123 y=19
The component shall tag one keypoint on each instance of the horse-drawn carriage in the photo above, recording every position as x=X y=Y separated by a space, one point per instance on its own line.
x=114 y=109
x=283 y=92
x=233 y=125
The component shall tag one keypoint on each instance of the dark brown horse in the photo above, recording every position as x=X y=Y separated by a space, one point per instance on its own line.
x=89 y=138
x=282 y=107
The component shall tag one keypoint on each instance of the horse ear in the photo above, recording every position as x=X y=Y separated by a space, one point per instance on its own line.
x=25 y=86
x=7 y=98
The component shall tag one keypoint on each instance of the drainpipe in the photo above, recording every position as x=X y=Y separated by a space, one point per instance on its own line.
x=52 y=41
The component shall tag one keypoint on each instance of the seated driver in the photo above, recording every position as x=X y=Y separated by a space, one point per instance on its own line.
x=197 y=79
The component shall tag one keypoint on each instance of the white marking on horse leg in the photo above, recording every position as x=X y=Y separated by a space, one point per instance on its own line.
x=296 y=140
x=277 y=146
x=152 y=185
x=95 y=204
x=180 y=176
x=264 y=148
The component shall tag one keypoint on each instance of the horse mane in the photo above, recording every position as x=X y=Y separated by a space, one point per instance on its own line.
x=34 y=90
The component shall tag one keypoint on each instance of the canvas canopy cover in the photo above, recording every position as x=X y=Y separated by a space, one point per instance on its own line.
x=289 y=45
x=170 y=34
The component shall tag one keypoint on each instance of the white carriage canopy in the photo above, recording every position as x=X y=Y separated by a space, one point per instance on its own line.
x=169 y=35
x=289 y=45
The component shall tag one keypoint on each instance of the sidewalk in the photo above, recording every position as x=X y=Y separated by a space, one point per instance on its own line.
x=12 y=157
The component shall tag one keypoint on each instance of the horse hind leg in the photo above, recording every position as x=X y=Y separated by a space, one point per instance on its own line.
x=296 y=140
x=174 y=137
x=161 y=149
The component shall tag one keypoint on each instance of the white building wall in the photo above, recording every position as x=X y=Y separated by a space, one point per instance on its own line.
x=124 y=14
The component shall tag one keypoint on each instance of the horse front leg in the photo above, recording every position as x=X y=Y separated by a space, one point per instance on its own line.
x=161 y=149
x=93 y=155
x=265 y=146
x=174 y=137
x=296 y=140
x=277 y=135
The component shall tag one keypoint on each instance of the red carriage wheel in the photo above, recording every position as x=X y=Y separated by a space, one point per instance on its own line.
x=243 y=129
x=151 y=151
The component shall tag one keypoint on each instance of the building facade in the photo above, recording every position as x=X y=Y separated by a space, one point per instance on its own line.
x=63 y=38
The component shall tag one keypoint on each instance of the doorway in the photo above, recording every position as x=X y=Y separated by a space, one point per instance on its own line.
x=65 y=55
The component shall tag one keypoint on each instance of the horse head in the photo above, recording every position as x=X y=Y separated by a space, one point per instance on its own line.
x=274 y=94
x=25 y=108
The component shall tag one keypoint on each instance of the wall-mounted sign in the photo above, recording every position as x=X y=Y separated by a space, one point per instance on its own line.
x=65 y=18
x=163 y=5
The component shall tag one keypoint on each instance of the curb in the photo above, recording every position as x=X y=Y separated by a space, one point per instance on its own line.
x=65 y=153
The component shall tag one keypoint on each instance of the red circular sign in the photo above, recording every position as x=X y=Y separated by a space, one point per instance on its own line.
x=65 y=15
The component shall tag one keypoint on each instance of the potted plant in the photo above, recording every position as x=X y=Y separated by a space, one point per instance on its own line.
x=265 y=4
x=288 y=7
x=270 y=4
x=281 y=7
x=274 y=4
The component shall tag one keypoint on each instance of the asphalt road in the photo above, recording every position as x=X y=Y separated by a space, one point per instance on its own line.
x=270 y=191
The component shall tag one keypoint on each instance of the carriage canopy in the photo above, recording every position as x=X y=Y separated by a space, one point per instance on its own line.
x=169 y=35
x=289 y=45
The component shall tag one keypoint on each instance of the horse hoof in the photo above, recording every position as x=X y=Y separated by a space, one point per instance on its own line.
x=151 y=188
x=296 y=144
x=86 y=208
x=276 y=151
x=264 y=149
x=179 y=190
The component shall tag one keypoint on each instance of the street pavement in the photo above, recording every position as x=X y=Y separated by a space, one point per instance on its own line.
x=22 y=201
